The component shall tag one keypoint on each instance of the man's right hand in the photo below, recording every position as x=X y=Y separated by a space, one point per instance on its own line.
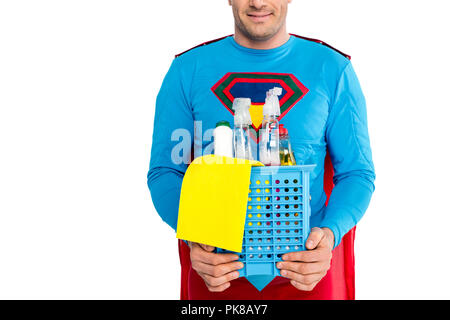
x=216 y=269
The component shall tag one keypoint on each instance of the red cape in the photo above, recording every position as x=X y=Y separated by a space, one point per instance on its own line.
x=338 y=284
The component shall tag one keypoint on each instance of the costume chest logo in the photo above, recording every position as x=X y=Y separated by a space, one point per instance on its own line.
x=254 y=85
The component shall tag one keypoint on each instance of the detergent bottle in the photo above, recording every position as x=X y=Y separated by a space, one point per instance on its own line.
x=223 y=139
x=286 y=155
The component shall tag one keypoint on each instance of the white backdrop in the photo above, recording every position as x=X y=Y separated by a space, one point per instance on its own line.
x=78 y=83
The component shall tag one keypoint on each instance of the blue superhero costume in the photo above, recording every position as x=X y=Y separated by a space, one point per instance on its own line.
x=321 y=105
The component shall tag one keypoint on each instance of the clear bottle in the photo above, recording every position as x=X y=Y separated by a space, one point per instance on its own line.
x=286 y=155
x=269 y=138
x=241 y=133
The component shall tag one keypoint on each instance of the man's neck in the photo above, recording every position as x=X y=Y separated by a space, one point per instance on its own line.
x=277 y=40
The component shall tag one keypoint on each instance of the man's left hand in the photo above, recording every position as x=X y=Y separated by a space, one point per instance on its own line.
x=307 y=268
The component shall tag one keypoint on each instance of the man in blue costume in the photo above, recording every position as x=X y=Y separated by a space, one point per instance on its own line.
x=324 y=109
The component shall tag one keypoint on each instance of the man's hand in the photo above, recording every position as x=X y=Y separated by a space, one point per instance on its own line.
x=307 y=268
x=216 y=269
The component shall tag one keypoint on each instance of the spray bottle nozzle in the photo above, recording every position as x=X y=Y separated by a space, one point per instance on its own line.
x=241 y=111
x=272 y=105
x=277 y=91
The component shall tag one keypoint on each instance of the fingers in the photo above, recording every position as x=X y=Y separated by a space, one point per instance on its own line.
x=318 y=245
x=305 y=268
x=304 y=287
x=317 y=255
x=304 y=276
x=220 y=288
x=206 y=247
x=201 y=245
x=301 y=278
x=202 y=255
x=216 y=271
x=217 y=278
x=315 y=237
x=218 y=284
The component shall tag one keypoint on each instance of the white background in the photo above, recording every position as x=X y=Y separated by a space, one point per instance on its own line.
x=78 y=82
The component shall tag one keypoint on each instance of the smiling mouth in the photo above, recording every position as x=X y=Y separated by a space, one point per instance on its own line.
x=259 y=17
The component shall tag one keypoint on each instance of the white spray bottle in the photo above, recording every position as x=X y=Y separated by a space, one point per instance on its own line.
x=269 y=137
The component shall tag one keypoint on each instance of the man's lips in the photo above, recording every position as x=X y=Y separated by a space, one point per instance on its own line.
x=259 y=17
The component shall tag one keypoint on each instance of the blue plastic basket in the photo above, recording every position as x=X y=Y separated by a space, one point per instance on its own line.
x=277 y=221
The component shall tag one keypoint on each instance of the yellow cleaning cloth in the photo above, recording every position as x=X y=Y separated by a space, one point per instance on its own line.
x=213 y=201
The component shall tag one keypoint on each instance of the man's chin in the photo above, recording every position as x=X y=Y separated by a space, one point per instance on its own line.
x=260 y=36
x=257 y=34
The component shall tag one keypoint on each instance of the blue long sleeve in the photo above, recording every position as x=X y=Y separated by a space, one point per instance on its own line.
x=171 y=145
x=348 y=143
